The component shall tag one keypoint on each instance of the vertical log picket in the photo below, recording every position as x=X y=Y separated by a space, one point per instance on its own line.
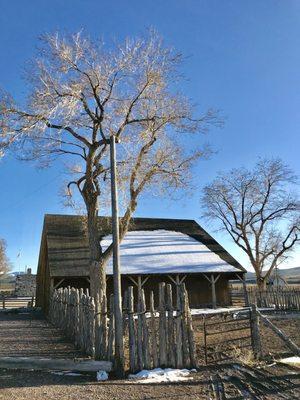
x=179 y=355
x=190 y=330
x=153 y=332
x=171 y=341
x=162 y=326
x=98 y=342
x=185 y=351
x=131 y=332
x=146 y=349
x=111 y=336
x=156 y=339
x=255 y=334
x=139 y=332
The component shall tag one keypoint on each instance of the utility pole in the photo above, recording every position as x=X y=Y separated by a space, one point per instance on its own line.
x=119 y=342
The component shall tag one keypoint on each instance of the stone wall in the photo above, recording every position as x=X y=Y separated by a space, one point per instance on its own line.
x=25 y=285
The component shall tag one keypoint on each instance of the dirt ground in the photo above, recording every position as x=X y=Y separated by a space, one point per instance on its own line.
x=29 y=335
x=232 y=379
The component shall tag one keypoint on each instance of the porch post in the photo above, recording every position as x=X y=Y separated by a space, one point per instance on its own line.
x=243 y=280
x=245 y=291
x=213 y=291
x=177 y=292
x=139 y=279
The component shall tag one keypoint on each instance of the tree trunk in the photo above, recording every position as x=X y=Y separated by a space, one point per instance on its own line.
x=96 y=264
x=261 y=283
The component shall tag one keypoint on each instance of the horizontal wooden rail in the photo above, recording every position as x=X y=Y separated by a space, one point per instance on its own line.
x=37 y=363
x=16 y=302
x=230 y=330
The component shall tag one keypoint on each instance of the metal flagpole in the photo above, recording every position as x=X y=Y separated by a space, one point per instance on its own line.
x=119 y=342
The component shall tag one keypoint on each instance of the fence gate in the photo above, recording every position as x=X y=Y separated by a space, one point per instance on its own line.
x=226 y=336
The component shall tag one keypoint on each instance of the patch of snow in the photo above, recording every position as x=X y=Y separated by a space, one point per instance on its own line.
x=66 y=373
x=204 y=311
x=162 y=375
x=102 y=376
x=291 y=360
x=163 y=252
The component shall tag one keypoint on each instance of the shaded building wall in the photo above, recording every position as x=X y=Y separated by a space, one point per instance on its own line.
x=43 y=280
x=198 y=288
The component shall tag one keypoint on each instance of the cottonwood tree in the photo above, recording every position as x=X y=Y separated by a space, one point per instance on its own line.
x=258 y=211
x=5 y=264
x=80 y=94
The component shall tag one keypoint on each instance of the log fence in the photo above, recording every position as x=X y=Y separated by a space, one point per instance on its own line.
x=278 y=298
x=155 y=337
x=281 y=298
x=162 y=337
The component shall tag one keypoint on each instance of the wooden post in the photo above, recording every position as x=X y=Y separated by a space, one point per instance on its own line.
x=119 y=341
x=139 y=284
x=205 y=340
x=111 y=330
x=146 y=350
x=190 y=330
x=177 y=292
x=213 y=291
x=212 y=280
x=289 y=343
x=131 y=331
x=104 y=327
x=140 y=358
x=77 y=322
x=243 y=280
x=185 y=345
x=255 y=334
x=97 y=326
x=92 y=326
x=171 y=339
x=162 y=326
x=153 y=332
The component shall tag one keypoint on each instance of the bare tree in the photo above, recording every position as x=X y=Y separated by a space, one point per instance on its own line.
x=258 y=211
x=81 y=93
x=5 y=264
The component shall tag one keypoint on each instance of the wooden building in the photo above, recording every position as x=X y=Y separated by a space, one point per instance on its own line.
x=154 y=250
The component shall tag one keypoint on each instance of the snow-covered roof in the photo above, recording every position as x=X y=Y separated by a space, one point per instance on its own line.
x=165 y=252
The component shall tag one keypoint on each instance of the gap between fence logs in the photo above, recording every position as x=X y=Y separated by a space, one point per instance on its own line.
x=162 y=337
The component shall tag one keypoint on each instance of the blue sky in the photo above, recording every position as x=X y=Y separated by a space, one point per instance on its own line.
x=241 y=57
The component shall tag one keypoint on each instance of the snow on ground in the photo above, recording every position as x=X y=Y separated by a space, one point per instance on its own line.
x=66 y=373
x=291 y=361
x=102 y=376
x=204 y=311
x=162 y=375
x=163 y=252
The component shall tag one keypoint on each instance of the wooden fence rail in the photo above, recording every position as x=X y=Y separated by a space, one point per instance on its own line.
x=7 y=302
